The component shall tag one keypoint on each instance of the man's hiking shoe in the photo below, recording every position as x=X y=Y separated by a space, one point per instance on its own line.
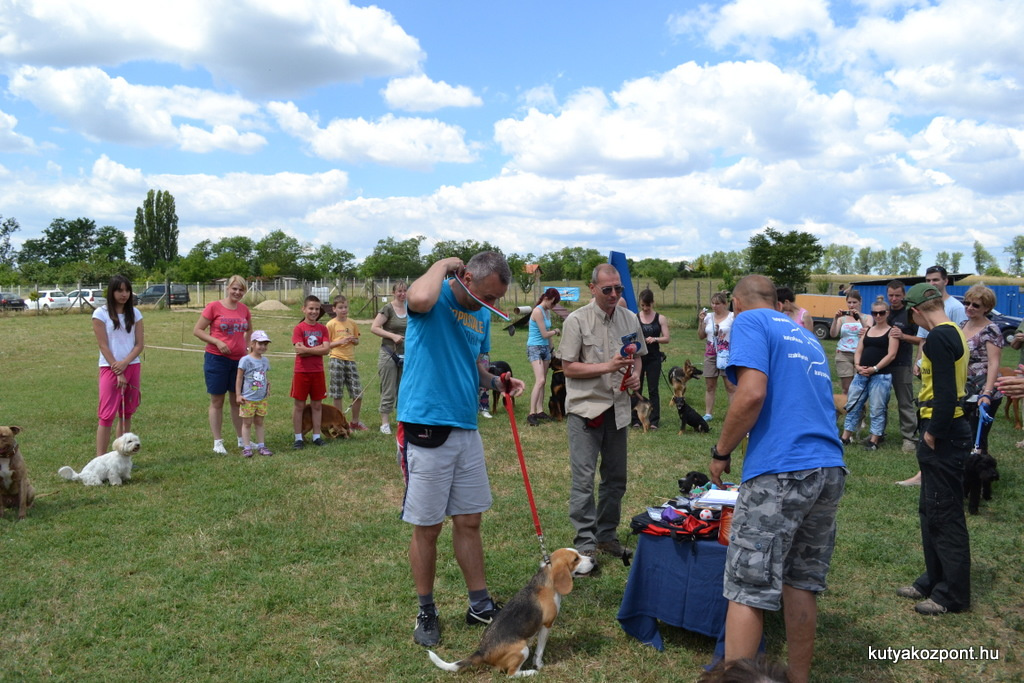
x=482 y=618
x=298 y=445
x=428 y=628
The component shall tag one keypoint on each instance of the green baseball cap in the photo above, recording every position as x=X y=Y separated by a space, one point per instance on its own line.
x=920 y=293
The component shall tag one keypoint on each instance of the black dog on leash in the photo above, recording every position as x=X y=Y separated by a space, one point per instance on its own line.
x=979 y=473
x=499 y=368
x=689 y=416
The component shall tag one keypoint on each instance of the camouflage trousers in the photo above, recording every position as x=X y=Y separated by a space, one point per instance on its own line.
x=783 y=532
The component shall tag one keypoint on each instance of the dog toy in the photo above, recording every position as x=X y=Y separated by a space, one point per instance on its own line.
x=627 y=351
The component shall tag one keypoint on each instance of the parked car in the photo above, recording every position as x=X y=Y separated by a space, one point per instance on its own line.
x=9 y=301
x=1007 y=324
x=48 y=298
x=153 y=294
x=93 y=297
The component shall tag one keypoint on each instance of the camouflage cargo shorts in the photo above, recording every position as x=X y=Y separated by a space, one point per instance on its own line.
x=783 y=532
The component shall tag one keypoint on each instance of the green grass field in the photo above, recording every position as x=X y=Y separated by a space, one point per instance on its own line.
x=294 y=567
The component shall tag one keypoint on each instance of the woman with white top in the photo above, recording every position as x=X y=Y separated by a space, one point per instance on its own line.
x=118 y=330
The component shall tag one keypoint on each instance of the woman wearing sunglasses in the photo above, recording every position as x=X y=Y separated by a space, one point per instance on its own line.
x=985 y=343
x=875 y=351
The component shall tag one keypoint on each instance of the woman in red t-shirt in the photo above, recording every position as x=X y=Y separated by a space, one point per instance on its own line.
x=225 y=326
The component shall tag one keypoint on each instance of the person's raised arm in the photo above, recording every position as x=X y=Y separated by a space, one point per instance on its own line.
x=424 y=292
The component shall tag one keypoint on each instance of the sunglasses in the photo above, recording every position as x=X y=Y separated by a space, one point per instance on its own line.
x=972 y=304
x=608 y=290
x=879 y=312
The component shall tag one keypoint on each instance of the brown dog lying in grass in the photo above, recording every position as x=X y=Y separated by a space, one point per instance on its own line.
x=332 y=422
x=15 y=489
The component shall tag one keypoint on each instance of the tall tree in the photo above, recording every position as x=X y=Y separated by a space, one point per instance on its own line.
x=785 y=258
x=281 y=250
x=326 y=261
x=517 y=263
x=954 y=261
x=1016 y=252
x=911 y=258
x=156 y=231
x=862 y=265
x=838 y=258
x=942 y=259
x=7 y=227
x=393 y=258
x=658 y=269
x=111 y=244
x=983 y=259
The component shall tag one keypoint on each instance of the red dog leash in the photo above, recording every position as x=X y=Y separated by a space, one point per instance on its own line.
x=507 y=399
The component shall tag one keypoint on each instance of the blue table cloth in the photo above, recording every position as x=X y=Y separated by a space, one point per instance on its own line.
x=677 y=582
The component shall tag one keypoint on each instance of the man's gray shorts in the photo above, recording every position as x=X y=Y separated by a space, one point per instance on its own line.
x=783 y=532
x=448 y=480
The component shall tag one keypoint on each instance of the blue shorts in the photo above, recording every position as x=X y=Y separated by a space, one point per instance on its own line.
x=221 y=373
x=538 y=353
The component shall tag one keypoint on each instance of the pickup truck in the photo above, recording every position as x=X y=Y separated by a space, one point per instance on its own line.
x=822 y=308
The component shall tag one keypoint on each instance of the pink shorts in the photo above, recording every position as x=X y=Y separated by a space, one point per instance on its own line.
x=111 y=396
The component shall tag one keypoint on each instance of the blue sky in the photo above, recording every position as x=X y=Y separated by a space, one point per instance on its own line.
x=660 y=129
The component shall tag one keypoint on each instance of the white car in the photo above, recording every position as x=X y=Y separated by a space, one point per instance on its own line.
x=48 y=298
x=92 y=297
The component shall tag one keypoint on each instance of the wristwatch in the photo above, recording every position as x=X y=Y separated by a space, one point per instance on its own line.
x=715 y=455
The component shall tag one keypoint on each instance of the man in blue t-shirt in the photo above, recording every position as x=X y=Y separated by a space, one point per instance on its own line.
x=783 y=528
x=440 y=450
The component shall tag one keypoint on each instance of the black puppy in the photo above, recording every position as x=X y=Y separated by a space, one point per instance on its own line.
x=499 y=368
x=691 y=481
x=556 y=404
x=979 y=473
x=689 y=416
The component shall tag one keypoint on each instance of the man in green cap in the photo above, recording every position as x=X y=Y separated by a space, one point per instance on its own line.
x=945 y=585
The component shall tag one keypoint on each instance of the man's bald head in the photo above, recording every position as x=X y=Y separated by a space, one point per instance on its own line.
x=755 y=291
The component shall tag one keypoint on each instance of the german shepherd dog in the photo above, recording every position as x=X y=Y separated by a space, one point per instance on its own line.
x=679 y=376
x=642 y=407
x=556 y=404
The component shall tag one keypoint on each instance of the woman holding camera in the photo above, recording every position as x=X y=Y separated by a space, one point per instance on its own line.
x=847 y=325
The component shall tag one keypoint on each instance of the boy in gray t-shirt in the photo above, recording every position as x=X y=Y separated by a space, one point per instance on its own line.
x=252 y=388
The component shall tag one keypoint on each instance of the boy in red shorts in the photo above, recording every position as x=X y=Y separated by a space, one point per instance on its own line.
x=312 y=342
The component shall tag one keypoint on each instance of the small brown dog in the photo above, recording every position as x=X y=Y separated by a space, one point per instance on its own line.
x=15 y=489
x=642 y=407
x=679 y=376
x=332 y=422
x=1011 y=403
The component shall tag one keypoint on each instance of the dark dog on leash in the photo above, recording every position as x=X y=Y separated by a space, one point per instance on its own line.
x=679 y=376
x=689 y=416
x=979 y=473
x=556 y=404
x=642 y=409
x=499 y=368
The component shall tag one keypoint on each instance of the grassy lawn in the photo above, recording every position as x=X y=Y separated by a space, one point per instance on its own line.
x=294 y=567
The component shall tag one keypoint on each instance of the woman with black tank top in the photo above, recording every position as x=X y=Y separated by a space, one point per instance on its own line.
x=655 y=330
x=875 y=352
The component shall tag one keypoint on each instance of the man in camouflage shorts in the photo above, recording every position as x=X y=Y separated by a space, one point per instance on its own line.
x=783 y=528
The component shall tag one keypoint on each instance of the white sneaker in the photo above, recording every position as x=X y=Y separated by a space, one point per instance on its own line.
x=486 y=413
x=385 y=429
x=218 y=447
x=707 y=418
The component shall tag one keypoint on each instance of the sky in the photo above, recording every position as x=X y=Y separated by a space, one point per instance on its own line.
x=658 y=129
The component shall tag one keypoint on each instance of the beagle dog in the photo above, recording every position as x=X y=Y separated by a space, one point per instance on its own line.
x=530 y=613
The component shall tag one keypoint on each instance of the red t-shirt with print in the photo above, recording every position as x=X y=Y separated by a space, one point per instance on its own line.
x=309 y=336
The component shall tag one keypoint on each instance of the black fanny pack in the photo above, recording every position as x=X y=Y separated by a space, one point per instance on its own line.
x=426 y=436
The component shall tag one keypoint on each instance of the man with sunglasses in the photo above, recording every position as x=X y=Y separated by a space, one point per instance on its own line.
x=599 y=373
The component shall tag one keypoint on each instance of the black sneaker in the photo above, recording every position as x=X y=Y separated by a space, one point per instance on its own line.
x=483 y=618
x=543 y=416
x=298 y=445
x=531 y=420
x=871 y=446
x=428 y=628
x=318 y=442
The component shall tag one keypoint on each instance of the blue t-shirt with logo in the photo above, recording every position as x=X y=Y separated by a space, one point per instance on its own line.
x=440 y=379
x=796 y=429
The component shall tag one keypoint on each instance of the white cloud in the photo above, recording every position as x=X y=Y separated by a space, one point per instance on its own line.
x=392 y=141
x=111 y=109
x=10 y=141
x=986 y=158
x=419 y=93
x=680 y=121
x=258 y=46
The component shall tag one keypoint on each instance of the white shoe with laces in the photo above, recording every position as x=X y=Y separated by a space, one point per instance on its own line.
x=218 y=447
x=486 y=413
x=385 y=429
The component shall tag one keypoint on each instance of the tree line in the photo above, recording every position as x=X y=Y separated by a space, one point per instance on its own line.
x=77 y=250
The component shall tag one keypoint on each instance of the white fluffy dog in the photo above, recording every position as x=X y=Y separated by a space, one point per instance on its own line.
x=115 y=466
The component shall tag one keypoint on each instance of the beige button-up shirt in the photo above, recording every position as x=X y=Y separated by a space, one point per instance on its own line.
x=589 y=335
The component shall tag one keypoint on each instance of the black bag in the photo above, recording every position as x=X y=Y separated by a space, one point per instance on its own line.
x=426 y=436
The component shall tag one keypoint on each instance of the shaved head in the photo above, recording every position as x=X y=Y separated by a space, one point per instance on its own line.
x=756 y=291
